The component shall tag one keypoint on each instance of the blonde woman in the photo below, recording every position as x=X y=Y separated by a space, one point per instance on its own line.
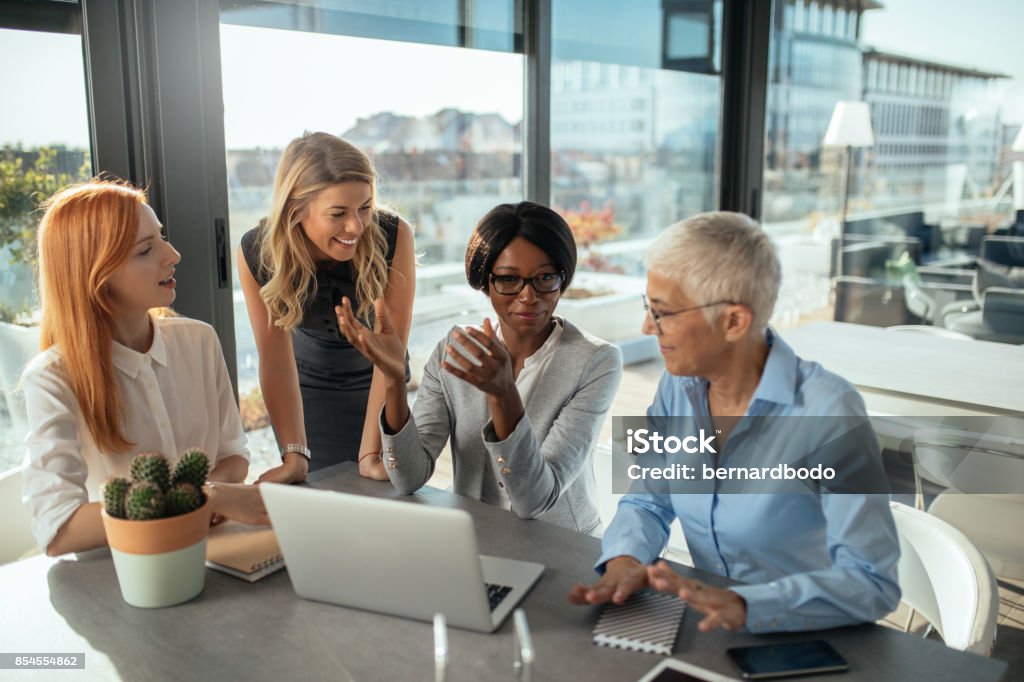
x=325 y=239
x=117 y=375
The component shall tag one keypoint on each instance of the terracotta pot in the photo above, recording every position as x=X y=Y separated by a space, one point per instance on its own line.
x=160 y=562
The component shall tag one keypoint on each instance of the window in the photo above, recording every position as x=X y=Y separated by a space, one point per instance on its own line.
x=632 y=172
x=44 y=145
x=441 y=122
x=936 y=151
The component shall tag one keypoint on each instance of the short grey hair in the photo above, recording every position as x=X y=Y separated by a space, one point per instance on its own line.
x=720 y=256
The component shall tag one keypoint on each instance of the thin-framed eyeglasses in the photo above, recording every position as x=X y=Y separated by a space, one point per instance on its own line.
x=544 y=283
x=657 y=316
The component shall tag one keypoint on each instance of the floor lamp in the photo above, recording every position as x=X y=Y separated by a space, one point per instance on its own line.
x=850 y=127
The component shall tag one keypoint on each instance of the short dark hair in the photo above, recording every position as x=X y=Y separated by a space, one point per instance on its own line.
x=537 y=224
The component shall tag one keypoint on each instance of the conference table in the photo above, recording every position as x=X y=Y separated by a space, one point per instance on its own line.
x=915 y=374
x=263 y=631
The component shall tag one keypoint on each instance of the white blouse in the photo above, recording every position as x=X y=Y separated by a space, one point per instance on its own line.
x=176 y=396
x=534 y=366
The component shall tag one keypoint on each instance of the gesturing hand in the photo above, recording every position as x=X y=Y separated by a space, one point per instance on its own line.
x=494 y=373
x=383 y=348
x=722 y=608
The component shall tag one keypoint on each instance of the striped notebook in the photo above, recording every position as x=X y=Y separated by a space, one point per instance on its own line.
x=648 y=621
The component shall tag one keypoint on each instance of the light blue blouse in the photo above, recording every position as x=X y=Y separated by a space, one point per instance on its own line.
x=811 y=561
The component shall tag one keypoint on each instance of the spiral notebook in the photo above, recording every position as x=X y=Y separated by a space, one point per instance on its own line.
x=648 y=621
x=246 y=552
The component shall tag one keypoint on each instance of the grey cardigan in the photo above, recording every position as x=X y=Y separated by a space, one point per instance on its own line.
x=544 y=469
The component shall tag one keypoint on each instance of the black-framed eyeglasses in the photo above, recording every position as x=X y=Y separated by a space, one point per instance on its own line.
x=657 y=316
x=544 y=283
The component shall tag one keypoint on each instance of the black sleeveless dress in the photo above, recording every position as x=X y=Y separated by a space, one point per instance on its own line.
x=334 y=377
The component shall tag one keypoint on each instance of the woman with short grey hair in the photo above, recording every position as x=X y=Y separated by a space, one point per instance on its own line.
x=812 y=560
x=720 y=256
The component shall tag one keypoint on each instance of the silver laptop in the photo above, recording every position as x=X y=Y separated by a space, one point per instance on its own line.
x=398 y=558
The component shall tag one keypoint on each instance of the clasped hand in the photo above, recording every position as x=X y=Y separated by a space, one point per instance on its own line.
x=492 y=370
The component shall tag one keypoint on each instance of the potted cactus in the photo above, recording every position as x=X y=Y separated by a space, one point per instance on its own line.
x=156 y=525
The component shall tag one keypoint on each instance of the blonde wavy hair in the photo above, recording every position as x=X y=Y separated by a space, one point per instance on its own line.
x=310 y=164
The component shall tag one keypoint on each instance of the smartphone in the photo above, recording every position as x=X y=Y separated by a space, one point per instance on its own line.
x=674 y=670
x=787 y=660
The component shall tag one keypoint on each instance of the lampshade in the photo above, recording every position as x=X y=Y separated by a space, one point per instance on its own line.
x=850 y=126
x=1018 y=142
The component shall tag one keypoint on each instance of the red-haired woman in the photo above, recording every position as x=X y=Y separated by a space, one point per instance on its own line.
x=118 y=374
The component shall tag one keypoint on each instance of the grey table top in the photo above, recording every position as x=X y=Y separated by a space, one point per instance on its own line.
x=262 y=631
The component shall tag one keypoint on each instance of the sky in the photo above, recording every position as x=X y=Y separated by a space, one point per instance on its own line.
x=328 y=82
x=343 y=79
x=982 y=34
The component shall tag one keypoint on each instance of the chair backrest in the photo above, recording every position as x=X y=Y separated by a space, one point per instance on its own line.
x=16 y=541
x=866 y=255
x=862 y=300
x=18 y=345
x=1003 y=310
x=1003 y=250
x=945 y=578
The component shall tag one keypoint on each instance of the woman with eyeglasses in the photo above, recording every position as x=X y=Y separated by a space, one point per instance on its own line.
x=521 y=401
x=811 y=556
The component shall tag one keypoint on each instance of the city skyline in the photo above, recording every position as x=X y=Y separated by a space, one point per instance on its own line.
x=406 y=82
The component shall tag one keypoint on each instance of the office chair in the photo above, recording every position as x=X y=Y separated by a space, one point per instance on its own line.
x=18 y=345
x=946 y=579
x=997 y=316
x=984 y=478
x=863 y=300
x=1004 y=250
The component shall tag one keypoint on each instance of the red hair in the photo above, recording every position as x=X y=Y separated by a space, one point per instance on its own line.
x=86 y=234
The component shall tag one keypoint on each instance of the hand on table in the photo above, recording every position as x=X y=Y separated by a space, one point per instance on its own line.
x=623 y=576
x=372 y=466
x=721 y=608
x=238 y=502
x=292 y=470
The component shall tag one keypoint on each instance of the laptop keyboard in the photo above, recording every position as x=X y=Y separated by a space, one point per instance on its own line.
x=496 y=594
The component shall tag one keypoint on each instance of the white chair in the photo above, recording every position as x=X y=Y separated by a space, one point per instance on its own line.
x=992 y=522
x=947 y=580
x=17 y=541
x=984 y=477
x=18 y=345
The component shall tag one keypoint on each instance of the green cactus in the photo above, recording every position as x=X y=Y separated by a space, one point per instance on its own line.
x=114 y=492
x=151 y=467
x=183 y=498
x=145 y=501
x=193 y=466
